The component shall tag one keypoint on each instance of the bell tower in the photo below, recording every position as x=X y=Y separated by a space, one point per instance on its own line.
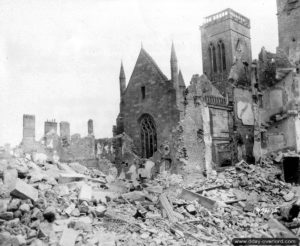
x=288 y=14
x=225 y=37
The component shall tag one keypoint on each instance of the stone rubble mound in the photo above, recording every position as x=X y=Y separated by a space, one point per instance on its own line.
x=67 y=204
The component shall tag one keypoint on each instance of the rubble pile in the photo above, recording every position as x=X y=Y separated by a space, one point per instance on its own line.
x=67 y=204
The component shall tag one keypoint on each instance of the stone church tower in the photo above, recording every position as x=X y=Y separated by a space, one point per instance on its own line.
x=288 y=14
x=225 y=37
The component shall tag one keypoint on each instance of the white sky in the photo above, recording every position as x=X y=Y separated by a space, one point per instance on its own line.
x=61 y=58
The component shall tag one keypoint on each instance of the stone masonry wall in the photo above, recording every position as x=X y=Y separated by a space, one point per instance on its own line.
x=244 y=119
x=236 y=38
x=79 y=149
x=288 y=27
x=159 y=101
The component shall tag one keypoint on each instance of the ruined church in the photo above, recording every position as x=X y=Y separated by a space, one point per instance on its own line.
x=238 y=109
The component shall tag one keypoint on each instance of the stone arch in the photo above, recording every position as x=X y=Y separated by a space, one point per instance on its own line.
x=148 y=135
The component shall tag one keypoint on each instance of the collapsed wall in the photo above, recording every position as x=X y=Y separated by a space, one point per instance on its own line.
x=104 y=149
x=278 y=84
x=64 y=147
x=192 y=125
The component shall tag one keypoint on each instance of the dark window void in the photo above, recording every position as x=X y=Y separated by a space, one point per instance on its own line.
x=143 y=90
x=148 y=136
x=291 y=169
x=213 y=58
x=221 y=56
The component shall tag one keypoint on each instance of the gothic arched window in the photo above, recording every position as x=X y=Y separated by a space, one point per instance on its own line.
x=148 y=136
x=222 y=57
x=213 y=59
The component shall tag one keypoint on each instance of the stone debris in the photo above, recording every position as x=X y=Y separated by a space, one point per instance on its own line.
x=68 y=237
x=24 y=191
x=85 y=193
x=65 y=204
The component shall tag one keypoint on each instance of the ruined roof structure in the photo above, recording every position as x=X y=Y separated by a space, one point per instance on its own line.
x=269 y=65
x=202 y=86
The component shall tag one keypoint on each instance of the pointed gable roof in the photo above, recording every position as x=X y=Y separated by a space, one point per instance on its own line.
x=122 y=73
x=143 y=61
x=145 y=56
x=173 y=53
x=180 y=80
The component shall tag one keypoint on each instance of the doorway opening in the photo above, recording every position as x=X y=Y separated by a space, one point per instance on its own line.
x=291 y=169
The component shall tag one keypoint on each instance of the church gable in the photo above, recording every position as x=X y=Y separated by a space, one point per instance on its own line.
x=145 y=71
x=149 y=93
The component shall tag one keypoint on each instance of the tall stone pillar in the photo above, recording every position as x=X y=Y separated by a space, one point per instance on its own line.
x=28 y=128
x=90 y=127
x=50 y=126
x=64 y=129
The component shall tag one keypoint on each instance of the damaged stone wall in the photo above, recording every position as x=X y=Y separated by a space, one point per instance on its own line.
x=79 y=149
x=63 y=147
x=281 y=135
x=104 y=149
x=205 y=126
x=149 y=92
x=192 y=125
x=244 y=121
x=288 y=13
x=277 y=98
x=219 y=123
x=278 y=85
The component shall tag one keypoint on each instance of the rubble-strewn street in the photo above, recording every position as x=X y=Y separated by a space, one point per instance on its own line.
x=215 y=161
x=68 y=204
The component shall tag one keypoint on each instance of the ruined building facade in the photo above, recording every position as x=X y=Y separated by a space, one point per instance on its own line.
x=278 y=84
x=67 y=147
x=288 y=14
x=151 y=103
x=239 y=109
x=213 y=112
x=226 y=59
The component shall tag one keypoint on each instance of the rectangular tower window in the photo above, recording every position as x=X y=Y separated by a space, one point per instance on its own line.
x=143 y=90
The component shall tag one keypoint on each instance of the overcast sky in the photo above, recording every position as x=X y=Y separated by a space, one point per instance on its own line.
x=60 y=59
